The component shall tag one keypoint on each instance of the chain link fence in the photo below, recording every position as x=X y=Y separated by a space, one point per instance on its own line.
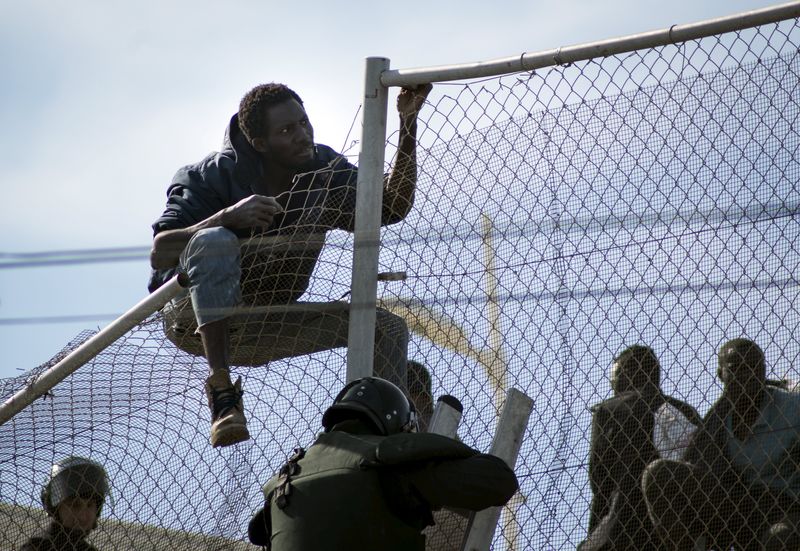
x=567 y=213
x=561 y=215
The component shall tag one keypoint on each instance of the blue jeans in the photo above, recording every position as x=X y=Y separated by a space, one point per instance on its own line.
x=258 y=333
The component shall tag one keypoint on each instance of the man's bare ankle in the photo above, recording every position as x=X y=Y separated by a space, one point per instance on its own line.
x=220 y=377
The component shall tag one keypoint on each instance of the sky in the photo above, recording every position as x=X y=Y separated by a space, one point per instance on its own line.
x=101 y=102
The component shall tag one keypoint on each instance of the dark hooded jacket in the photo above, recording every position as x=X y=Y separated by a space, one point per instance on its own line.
x=621 y=447
x=322 y=198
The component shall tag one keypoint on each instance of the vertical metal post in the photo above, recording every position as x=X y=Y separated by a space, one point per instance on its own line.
x=506 y=444
x=369 y=197
x=450 y=526
x=446 y=416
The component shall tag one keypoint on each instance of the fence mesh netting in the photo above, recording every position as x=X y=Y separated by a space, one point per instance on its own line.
x=561 y=216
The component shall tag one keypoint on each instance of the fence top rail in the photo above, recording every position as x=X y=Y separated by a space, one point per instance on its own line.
x=581 y=52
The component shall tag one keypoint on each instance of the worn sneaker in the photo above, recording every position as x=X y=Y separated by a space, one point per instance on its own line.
x=228 y=424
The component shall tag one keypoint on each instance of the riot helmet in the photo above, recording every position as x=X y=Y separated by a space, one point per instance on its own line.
x=375 y=401
x=636 y=368
x=75 y=477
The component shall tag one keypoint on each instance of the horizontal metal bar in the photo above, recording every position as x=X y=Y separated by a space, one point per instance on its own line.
x=582 y=52
x=91 y=348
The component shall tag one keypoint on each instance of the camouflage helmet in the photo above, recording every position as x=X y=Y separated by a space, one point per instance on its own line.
x=74 y=476
x=374 y=400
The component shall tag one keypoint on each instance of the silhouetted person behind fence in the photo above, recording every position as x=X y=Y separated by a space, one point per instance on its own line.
x=73 y=497
x=420 y=392
x=740 y=482
x=248 y=225
x=369 y=483
x=630 y=430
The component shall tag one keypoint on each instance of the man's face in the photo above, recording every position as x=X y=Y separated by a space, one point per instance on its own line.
x=289 y=140
x=742 y=372
x=616 y=375
x=78 y=513
x=624 y=375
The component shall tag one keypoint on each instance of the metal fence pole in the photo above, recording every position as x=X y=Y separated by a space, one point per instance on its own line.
x=446 y=416
x=91 y=348
x=506 y=444
x=369 y=197
x=571 y=54
x=450 y=525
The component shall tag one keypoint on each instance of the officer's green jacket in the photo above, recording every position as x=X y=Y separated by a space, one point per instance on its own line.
x=364 y=492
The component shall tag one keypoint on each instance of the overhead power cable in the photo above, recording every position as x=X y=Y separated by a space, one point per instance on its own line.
x=598 y=293
x=47 y=320
x=77 y=256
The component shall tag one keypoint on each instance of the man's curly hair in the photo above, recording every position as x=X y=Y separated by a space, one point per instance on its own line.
x=254 y=105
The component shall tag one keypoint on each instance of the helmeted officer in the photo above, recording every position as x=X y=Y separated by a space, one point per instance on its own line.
x=370 y=482
x=73 y=497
